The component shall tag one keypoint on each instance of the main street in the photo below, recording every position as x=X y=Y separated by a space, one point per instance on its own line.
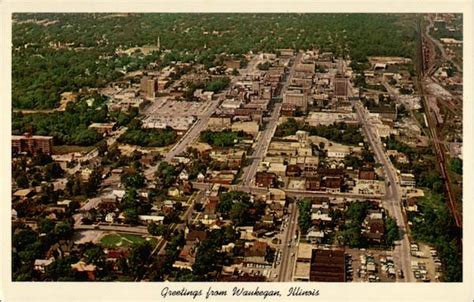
x=263 y=141
x=392 y=200
x=288 y=245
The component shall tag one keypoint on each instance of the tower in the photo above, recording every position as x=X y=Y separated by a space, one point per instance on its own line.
x=158 y=42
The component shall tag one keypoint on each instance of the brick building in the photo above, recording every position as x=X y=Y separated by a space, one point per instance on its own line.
x=32 y=144
x=149 y=87
x=341 y=86
x=328 y=266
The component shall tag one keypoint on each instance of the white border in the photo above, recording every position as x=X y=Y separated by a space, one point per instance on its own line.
x=120 y=291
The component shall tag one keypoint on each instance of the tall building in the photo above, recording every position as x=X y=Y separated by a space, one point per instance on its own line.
x=32 y=144
x=149 y=87
x=266 y=92
x=341 y=86
x=296 y=99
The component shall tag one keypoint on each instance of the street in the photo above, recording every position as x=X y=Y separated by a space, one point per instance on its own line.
x=392 y=199
x=266 y=135
x=288 y=246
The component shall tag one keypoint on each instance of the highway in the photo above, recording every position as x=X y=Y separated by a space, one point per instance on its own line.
x=392 y=198
x=261 y=145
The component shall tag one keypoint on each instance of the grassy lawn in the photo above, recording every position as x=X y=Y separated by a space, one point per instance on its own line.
x=64 y=149
x=124 y=240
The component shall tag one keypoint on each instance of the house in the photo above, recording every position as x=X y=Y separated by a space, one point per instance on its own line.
x=314 y=236
x=174 y=192
x=86 y=173
x=268 y=219
x=374 y=227
x=407 y=180
x=225 y=177
x=265 y=179
x=110 y=217
x=411 y=204
x=40 y=265
x=256 y=249
x=293 y=171
x=332 y=184
x=115 y=254
x=200 y=177
x=82 y=268
x=24 y=193
x=195 y=236
x=211 y=207
x=276 y=196
x=117 y=171
x=60 y=249
x=152 y=218
x=184 y=175
x=313 y=183
x=367 y=174
x=103 y=128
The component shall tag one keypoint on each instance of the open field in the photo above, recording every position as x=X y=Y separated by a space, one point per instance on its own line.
x=124 y=240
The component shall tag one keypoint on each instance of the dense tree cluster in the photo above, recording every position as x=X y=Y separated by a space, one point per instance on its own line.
x=237 y=206
x=338 y=132
x=435 y=225
x=28 y=245
x=421 y=163
x=32 y=172
x=86 y=56
x=69 y=127
x=304 y=218
x=76 y=185
x=455 y=165
x=209 y=259
x=225 y=138
x=135 y=135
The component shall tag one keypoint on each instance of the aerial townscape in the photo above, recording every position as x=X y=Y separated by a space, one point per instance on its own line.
x=237 y=147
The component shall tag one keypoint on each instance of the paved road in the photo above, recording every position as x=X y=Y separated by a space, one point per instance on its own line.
x=261 y=146
x=393 y=194
x=141 y=230
x=289 y=193
x=288 y=246
x=110 y=141
x=266 y=135
x=394 y=93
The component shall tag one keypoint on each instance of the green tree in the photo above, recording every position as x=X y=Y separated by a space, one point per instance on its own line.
x=304 y=218
x=64 y=230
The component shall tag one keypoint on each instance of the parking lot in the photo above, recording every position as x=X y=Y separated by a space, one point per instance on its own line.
x=425 y=263
x=370 y=266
